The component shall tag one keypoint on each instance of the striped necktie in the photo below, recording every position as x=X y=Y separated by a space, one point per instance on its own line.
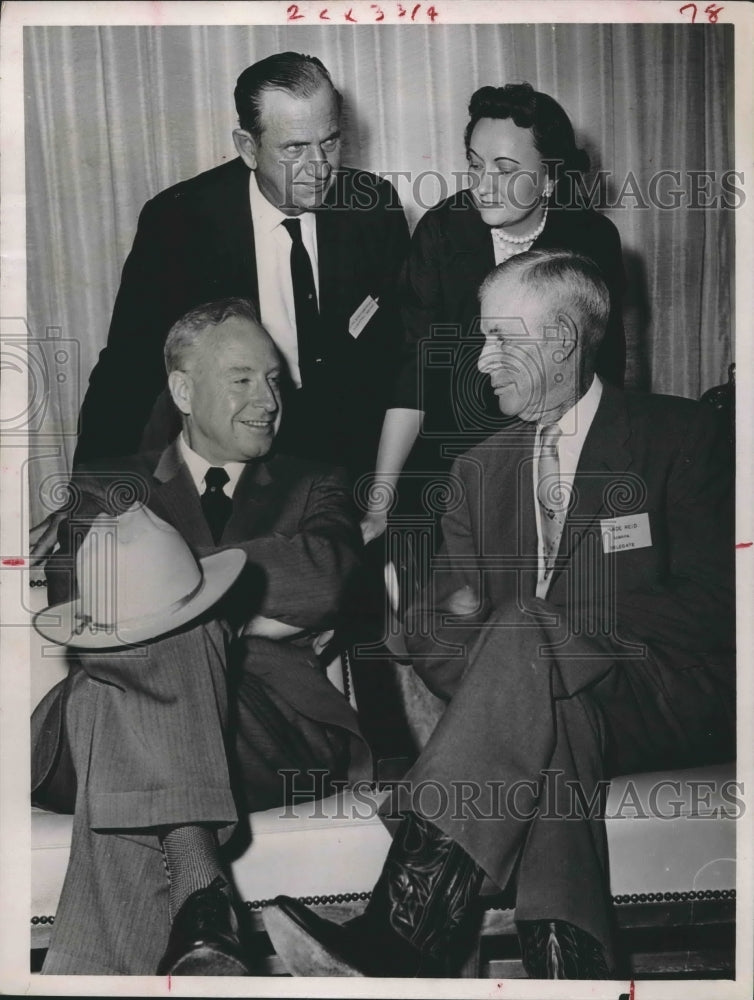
x=553 y=504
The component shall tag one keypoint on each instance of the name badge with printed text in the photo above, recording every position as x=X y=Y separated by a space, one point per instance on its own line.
x=363 y=314
x=621 y=533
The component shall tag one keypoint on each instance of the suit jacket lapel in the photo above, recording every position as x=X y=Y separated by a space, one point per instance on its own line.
x=510 y=528
x=250 y=507
x=330 y=246
x=233 y=209
x=177 y=497
x=604 y=457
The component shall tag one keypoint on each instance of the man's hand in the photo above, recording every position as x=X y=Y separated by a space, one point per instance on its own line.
x=462 y=602
x=43 y=536
x=270 y=628
x=373 y=526
x=321 y=641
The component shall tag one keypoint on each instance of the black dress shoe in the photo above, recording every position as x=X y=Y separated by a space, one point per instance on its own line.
x=204 y=937
x=554 y=949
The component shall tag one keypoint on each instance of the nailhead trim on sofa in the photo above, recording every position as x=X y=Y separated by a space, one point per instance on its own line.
x=355 y=897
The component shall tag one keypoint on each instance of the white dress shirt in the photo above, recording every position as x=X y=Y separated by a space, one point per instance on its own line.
x=272 y=248
x=198 y=466
x=574 y=426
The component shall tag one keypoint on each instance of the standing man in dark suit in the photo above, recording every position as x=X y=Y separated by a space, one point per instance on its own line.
x=579 y=624
x=318 y=246
x=144 y=740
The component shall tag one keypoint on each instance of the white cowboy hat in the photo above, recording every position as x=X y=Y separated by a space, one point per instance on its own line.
x=137 y=580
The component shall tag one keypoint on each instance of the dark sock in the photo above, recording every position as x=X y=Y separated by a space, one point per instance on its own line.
x=191 y=862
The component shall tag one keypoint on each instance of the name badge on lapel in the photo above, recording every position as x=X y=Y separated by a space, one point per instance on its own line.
x=363 y=314
x=620 y=533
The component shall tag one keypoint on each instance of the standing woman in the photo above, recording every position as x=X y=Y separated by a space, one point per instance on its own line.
x=523 y=163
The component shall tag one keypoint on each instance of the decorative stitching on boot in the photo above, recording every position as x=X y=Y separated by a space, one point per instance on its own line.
x=555 y=949
x=431 y=882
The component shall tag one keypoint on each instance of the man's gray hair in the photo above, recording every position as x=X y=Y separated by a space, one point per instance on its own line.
x=570 y=281
x=187 y=331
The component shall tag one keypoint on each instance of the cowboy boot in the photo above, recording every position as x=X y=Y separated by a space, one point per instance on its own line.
x=554 y=949
x=410 y=925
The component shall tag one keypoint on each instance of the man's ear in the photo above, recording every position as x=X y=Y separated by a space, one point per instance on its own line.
x=179 y=384
x=246 y=147
x=568 y=337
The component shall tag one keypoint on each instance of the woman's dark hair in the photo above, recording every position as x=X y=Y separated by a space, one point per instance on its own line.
x=291 y=72
x=550 y=125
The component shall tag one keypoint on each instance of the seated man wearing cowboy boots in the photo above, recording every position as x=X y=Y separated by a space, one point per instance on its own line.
x=179 y=711
x=579 y=624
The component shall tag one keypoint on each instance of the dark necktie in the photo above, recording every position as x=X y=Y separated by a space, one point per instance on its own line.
x=216 y=504
x=308 y=331
x=552 y=502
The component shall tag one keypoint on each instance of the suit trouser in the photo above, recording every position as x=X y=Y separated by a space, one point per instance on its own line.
x=148 y=737
x=525 y=721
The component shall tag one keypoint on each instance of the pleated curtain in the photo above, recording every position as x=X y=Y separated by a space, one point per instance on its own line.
x=116 y=114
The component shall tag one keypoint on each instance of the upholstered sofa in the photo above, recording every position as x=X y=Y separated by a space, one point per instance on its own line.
x=672 y=858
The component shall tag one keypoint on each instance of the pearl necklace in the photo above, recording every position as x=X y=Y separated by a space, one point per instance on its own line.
x=498 y=231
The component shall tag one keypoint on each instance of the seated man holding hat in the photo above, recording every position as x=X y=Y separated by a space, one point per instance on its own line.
x=192 y=588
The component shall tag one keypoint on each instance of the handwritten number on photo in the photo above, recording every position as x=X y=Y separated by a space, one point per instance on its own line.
x=295 y=14
x=711 y=10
